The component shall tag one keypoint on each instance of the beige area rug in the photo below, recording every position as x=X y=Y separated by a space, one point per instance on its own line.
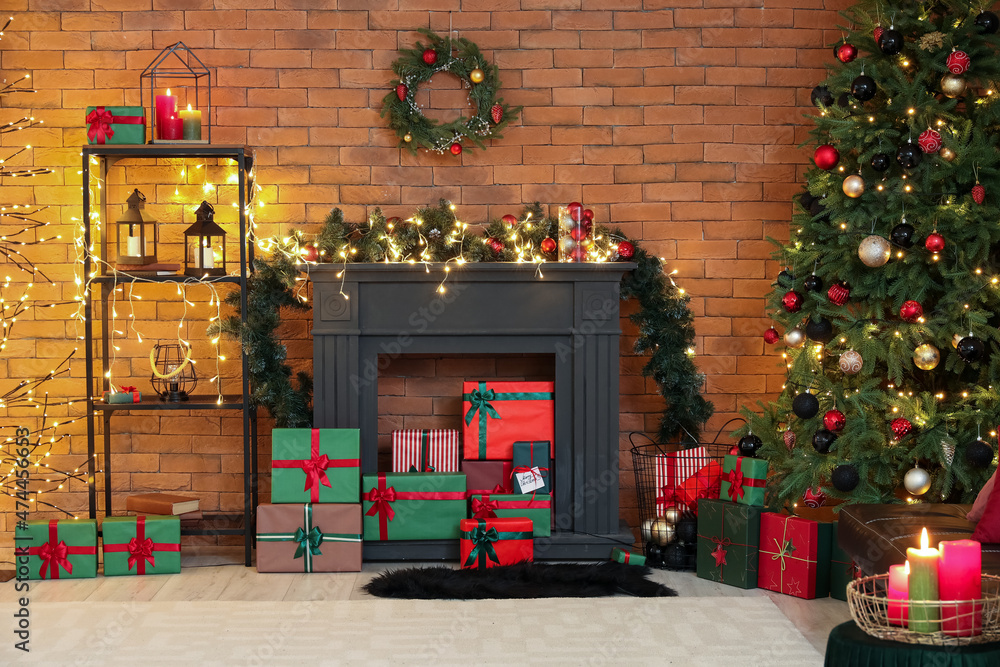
x=557 y=631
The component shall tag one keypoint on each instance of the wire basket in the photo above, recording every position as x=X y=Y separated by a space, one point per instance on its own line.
x=870 y=608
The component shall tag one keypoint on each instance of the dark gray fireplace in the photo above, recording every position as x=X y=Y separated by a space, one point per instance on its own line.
x=571 y=312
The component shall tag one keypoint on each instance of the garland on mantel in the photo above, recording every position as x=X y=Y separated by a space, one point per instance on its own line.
x=435 y=234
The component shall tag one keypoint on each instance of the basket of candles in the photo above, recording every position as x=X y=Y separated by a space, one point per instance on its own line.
x=939 y=596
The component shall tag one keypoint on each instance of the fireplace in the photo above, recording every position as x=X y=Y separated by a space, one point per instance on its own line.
x=490 y=308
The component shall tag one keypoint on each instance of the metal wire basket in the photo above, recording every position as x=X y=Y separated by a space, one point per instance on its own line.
x=952 y=622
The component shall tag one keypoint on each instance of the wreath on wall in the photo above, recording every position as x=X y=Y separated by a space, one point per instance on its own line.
x=482 y=79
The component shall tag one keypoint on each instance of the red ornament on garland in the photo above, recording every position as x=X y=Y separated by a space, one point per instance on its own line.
x=934 y=242
x=792 y=301
x=509 y=220
x=456 y=148
x=877 y=33
x=826 y=157
x=401 y=91
x=309 y=253
x=626 y=250
x=496 y=113
x=429 y=56
x=814 y=498
x=911 y=311
x=838 y=293
x=548 y=246
x=846 y=53
x=496 y=245
x=978 y=193
x=929 y=141
x=835 y=420
x=900 y=427
x=771 y=336
x=958 y=62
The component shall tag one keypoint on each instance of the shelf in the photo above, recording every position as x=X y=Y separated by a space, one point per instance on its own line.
x=165 y=150
x=218 y=524
x=194 y=402
x=176 y=278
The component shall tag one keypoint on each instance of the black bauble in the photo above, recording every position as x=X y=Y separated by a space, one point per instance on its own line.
x=654 y=554
x=863 y=88
x=820 y=330
x=821 y=96
x=891 y=42
x=806 y=199
x=687 y=530
x=979 y=454
x=902 y=235
x=674 y=557
x=813 y=283
x=881 y=161
x=805 y=406
x=971 y=349
x=819 y=211
x=749 y=444
x=786 y=278
x=845 y=478
x=987 y=22
x=823 y=440
x=908 y=156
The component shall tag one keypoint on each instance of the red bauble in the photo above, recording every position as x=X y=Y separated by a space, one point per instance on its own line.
x=911 y=311
x=826 y=156
x=834 y=420
x=496 y=113
x=496 y=245
x=934 y=242
x=734 y=451
x=958 y=62
x=548 y=246
x=587 y=215
x=626 y=250
x=309 y=253
x=847 y=52
x=877 y=33
x=509 y=220
x=792 y=301
x=838 y=293
x=456 y=148
x=430 y=56
x=771 y=336
x=401 y=91
x=900 y=427
x=978 y=193
x=814 y=498
x=789 y=438
x=929 y=141
x=575 y=210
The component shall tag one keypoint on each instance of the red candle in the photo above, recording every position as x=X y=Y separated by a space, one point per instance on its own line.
x=960 y=578
x=172 y=129
x=898 y=593
x=166 y=108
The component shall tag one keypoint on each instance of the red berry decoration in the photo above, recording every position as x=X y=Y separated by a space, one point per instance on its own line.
x=509 y=220
x=430 y=56
x=834 y=420
x=900 y=427
x=309 y=253
x=911 y=311
x=401 y=91
x=626 y=250
x=789 y=438
x=839 y=293
x=958 y=62
x=814 y=498
x=978 y=193
x=496 y=113
x=847 y=52
x=934 y=242
x=771 y=336
x=877 y=33
x=929 y=141
x=548 y=246
x=456 y=148
x=826 y=157
x=792 y=301
x=496 y=245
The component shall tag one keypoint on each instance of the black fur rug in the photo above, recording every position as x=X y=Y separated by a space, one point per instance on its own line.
x=522 y=580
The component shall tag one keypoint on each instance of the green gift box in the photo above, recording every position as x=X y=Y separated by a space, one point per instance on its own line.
x=842 y=568
x=57 y=549
x=413 y=505
x=728 y=542
x=743 y=480
x=626 y=557
x=116 y=125
x=537 y=507
x=317 y=465
x=144 y=544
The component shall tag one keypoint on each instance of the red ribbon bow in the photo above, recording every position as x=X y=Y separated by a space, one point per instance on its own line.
x=485 y=508
x=669 y=496
x=127 y=389
x=382 y=499
x=735 y=484
x=54 y=554
x=315 y=469
x=100 y=120
x=140 y=549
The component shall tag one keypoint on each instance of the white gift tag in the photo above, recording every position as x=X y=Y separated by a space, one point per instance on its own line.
x=531 y=480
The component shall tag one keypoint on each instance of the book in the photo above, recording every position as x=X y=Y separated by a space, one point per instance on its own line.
x=161 y=503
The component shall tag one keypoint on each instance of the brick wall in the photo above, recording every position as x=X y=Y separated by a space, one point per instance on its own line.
x=678 y=121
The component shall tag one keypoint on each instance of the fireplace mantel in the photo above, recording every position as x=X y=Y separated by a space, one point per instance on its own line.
x=568 y=310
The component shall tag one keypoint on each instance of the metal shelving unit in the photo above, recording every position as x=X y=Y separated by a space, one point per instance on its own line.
x=107 y=156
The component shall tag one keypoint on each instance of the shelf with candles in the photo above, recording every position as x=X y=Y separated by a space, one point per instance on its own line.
x=193 y=402
x=124 y=277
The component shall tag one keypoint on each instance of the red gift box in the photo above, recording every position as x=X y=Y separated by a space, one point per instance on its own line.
x=703 y=484
x=425 y=450
x=794 y=556
x=492 y=542
x=498 y=414
x=671 y=471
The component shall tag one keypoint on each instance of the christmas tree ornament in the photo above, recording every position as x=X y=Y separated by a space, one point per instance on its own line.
x=908 y=156
x=917 y=481
x=792 y=301
x=880 y=162
x=771 y=336
x=911 y=311
x=958 y=62
x=819 y=211
x=734 y=450
x=834 y=420
x=821 y=96
x=587 y=215
x=407 y=137
x=749 y=444
x=814 y=498
x=496 y=113
x=979 y=454
x=891 y=42
x=846 y=53
x=401 y=91
x=978 y=193
x=646 y=529
x=626 y=250
x=902 y=235
x=672 y=515
x=874 y=251
x=823 y=440
x=845 y=478
x=429 y=56
x=687 y=530
x=952 y=85
x=926 y=357
x=789 y=437
x=934 y=242
x=853 y=186
x=820 y=330
x=987 y=23
x=863 y=88
x=456 y=148
x=971 y=349
x=496 y=245
x=795 y=337
x=948 y=451
x=900 y=427
x=785 y=278
x=826 y=157
x=877 y=33
x=839 y=293
x=955 y=339
x=851 y=362
x=929 y=141
x=805 y=406
x=509 y=220
x=548 y=246
x=309 y=253
x=813 y=283
x=654 y=554
x=477 y=75
x=844 y=101
x=806 y=199
x=946 y=154
x=674 y=557
x=661 y=532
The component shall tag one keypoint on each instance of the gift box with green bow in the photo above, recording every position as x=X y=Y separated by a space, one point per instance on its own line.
x=537 y=507
x=794 y=556
x=728 y=539
x=317 y=465
x=57 y=549
x=491 y=542
x=495 y=415
x=743 y=480
x=413 y=505
x=144 y=544
x=309 y=538
x=115 y=125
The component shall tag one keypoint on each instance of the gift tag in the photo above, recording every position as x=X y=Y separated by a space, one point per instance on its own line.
x=531 y=480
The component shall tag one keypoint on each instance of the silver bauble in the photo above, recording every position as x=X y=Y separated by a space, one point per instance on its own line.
x=854 y=186
x=795 y=337
x=926 y=357
x=952 y=85
x=917 y=481
x=851 y=362
x=647 y=535
x=874 y=251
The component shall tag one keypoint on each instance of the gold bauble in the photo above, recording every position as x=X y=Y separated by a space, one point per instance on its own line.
x=926 y=357
x=854 y=186
x=946 y=154
x=952 y=85
x=662 y=532
x=874 y=251
x=672 y=515
x=795 y=337
x=407 y=138
x=477 y=75
x=954 y=339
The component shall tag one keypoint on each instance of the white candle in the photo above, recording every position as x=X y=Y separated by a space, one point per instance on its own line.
x=134 y=248
x=208 y=258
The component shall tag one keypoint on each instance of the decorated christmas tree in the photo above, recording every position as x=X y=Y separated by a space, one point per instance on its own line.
x=888 y=301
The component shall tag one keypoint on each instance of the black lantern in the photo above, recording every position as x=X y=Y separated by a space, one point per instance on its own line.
x=205 y=245
x=173 y=375
x=137 y=235
x=175 y=80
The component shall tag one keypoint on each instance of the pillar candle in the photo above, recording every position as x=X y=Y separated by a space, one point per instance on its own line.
x=173 y=129
x=960 y=578
x=192 y=123
x=166 y=107
x=923 y=585
x=898 y=593
x=134 y=247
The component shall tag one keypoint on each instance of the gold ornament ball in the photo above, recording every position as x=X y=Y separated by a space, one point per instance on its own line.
x=795 y=337
x=955 y=339
x=917 y=481
x=477 y=75
x=407 y=138
x=926 y=357
x=851 y=362
x=854 y=186
x=672 y=515
x=874 y=251
x=647 y=535
x=952 y=85
x=946 y=154
x=661 y=532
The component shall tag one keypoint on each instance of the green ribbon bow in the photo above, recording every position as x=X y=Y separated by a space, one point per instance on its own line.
x=483 y=540
x=310 y=540
x=481 y=400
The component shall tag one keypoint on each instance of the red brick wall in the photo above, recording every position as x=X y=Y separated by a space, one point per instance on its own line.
x=678 y=121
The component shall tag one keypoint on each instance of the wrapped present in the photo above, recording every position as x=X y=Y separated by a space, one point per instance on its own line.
x=843 y=569
x=535 y=506
x=728 y=539
x=487 y=476
x=309 y=538
x=706 y=483
x=144 y=544
x=532 y=467
x=491 y=542
x=743 y=480
x=58 y=549
x=794 y=556
x=116 y=125
x=413 y=506
x=498 y=414
x=625 y=556
x=123 y=395
x=670 y=472
x=319 y=465
x=425 y=450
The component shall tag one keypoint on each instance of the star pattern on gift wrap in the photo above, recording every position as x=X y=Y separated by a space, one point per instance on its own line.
x=795 y=589
x=720 y=556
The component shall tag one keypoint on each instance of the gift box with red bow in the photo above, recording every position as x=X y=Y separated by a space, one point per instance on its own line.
x=794 y=556
x=492 y=542
x=495 y=415
x=425 y=450
x=487 y=476
x=413 y=505
x=309 y=538
x=319 y=465
x=728 y=539
x=532 y=472
x=144 y=544
x=843 y=569
x=57 y=549
x=123 y=395
x=743 y=480
x=671 y=470
x=115 y=125
x=537 y=507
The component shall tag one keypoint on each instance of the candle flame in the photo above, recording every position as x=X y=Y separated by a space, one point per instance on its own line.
x=168 y=91
x=906 y=569
x=189 y=107
x=923 y=539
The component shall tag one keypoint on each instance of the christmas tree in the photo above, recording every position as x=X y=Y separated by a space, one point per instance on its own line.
x=889 y=296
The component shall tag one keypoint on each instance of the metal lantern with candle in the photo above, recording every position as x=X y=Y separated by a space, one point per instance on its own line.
x=137 y=232
x=205 y=244
x=186 y=81
x=173 y=378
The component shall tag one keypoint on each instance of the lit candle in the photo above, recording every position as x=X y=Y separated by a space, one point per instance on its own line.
x=173 y=129
x=922 y=585
x=192 y=123
x=960 y=578
x=134 y=245
x=166 y=108
x=898 y=593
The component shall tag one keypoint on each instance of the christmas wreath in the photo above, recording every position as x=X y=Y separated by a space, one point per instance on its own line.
x=463 y=59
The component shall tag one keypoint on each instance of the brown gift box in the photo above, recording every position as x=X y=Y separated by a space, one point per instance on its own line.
x=326 y=536
x=484 y=476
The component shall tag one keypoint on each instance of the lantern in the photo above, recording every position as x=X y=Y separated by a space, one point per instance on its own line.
x=177 y=79
x=173 y=375
x=205 y=244
x=137 y=235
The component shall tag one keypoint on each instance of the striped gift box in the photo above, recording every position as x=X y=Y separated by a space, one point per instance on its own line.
x=671 y=471
x=425 y=450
